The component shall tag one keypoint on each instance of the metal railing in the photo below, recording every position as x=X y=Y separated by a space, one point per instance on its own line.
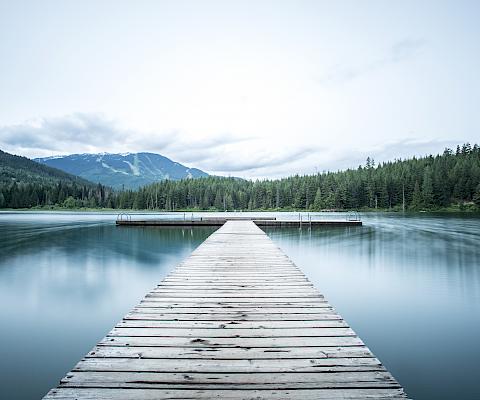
x=124 y=217
x=353 y=216
x=309 y=217
x=300 y=217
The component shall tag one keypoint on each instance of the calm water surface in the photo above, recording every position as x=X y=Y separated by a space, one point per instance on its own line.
x=409 y=286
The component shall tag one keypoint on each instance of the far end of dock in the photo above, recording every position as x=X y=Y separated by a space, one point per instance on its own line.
x=128 y=220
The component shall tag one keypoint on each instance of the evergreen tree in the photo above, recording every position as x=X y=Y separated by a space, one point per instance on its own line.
x=318 y=202
x=451 y=178
x=417 y=199
x=476 y=196
x=427 y=188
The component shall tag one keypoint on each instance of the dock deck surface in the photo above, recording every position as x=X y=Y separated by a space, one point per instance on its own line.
x=259 y=222
x=235 y=320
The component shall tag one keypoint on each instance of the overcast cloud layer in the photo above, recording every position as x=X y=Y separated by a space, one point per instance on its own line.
x=227 y=155
x=252 y=89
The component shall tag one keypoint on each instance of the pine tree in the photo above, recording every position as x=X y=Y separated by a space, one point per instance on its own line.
x=417 y=199
x=427 y=188
x=476 y=196
x=318 y=202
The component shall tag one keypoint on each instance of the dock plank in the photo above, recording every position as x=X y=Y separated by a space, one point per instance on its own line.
x=63 y=393
x=235 y=320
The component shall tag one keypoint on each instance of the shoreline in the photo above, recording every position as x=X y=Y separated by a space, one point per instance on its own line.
x=467 y=210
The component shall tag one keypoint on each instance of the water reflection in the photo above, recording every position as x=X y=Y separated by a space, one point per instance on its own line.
x=410 y=287
x=65 y=282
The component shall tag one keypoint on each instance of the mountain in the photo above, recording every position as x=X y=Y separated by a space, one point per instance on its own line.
x=21 y=170
x=25 y=183
x=127 y=170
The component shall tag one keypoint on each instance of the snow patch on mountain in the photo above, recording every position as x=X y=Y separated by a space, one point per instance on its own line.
x=117 y=171
x=135 y=169
x=122 y=170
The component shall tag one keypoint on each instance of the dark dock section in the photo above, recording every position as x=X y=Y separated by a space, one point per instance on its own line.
x=235 y=320
x=259 y=221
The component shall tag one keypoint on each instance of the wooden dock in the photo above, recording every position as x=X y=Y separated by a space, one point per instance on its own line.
x=235 y=320
x=263 y=222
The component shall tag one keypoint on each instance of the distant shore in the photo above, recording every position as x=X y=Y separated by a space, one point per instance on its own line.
x=467 y=208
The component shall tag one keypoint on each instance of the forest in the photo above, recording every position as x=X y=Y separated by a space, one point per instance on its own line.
x=451 y=179
x=25 y=184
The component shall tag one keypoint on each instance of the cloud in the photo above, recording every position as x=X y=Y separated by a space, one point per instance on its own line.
x=94 y=133
x=410 y=147
x=261 y=160
x=201 y=150
x=400 y=51
x=390 y=151
x=223 y=154
x=405 y=49
x=76 y=132
x=334 y=159
x=83 y=132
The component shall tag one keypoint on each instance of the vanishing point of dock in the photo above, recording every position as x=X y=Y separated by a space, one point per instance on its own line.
x=235 y=320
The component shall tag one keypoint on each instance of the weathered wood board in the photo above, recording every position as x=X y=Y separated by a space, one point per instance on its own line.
x=235 y=320
x=220 y=221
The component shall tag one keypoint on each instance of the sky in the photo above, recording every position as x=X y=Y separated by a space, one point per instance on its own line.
x=256 y=89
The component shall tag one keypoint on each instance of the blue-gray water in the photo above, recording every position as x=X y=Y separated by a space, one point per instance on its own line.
x=409 y=286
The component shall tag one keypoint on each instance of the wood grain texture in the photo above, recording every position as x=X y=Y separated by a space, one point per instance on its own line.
x=235 y=320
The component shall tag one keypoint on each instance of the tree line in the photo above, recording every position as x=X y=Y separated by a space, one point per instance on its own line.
x=25 y=183
x=425 y=183
x=60 y=194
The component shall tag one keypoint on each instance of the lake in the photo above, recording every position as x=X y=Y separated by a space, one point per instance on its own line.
x=409 y=285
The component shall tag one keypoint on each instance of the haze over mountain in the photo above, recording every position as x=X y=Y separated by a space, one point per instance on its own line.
x=123 y=170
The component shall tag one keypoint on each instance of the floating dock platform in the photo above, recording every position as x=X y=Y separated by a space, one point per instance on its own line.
x=219 y=221
x=235 y=320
